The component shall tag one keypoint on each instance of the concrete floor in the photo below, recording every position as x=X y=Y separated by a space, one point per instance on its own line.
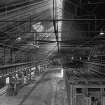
x=48 y=90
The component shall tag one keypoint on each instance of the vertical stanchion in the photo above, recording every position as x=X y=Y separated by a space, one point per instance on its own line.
x=4 y=56
x=8 y=85
x=102 y=91
x=11 y=55
x=67 y=86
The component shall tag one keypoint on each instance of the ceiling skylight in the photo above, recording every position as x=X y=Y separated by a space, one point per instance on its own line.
x=38 y=27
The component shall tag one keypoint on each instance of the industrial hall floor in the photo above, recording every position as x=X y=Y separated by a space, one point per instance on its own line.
x=48 y=89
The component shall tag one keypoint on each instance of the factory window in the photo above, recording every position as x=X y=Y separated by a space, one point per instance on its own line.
x=78 y=90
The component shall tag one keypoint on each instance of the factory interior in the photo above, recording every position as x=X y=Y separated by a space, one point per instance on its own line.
x=52 y=52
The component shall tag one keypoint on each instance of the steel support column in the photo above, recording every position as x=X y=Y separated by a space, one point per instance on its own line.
x=11 y=53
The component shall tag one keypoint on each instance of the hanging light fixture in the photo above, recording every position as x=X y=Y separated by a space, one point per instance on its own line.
x=19 y=39
x=101 y=32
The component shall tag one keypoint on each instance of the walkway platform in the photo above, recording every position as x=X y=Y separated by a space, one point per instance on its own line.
x=47 y=89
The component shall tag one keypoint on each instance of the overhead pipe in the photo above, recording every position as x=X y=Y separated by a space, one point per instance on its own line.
x=51 y=20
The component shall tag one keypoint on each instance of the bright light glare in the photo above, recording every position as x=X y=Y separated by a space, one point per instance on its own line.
x=38 y=27
x=60 y=75
x=59 y=4
x=19 y=38
x=101 y=33
x=62 y=72
x=33 y=68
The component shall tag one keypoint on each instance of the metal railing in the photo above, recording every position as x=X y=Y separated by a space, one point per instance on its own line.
x=96 y=67
x=7 y=70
